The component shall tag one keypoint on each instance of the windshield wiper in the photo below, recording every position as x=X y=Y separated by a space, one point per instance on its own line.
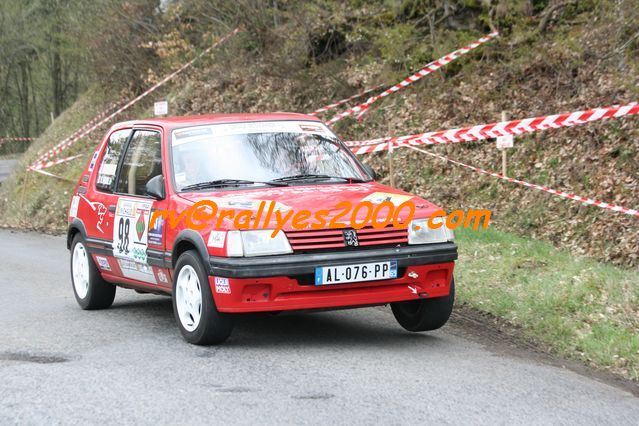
x=228 y=182
x=310 y=176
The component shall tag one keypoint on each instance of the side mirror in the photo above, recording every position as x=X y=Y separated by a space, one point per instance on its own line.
x=368 y=169
x=155 y=188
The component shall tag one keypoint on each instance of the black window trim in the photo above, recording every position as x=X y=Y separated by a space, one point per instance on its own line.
x=111 y=190
x=121 y=162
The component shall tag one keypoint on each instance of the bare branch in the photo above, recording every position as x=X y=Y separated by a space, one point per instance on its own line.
x=547 y=14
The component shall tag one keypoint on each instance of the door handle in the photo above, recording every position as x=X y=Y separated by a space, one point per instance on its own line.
x=112 y=208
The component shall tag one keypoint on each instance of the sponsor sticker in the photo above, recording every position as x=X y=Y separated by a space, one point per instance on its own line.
x=155 y=230
x=93 y=160
x=249 y=204
x=75 y=202
x=137 y=271
x=222 y=285
x=130 y=235
x=106 y=174
x=105 y=180
x=180 y=177
x=311 y=128
x=190 y=133
x=216 y=239
x=380 y=197
x=103 y=262
x=275 y=192
x=99 y=209
x=162 y=277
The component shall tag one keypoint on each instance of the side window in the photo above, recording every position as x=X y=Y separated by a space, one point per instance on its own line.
x=142 y=162
x=109 y=165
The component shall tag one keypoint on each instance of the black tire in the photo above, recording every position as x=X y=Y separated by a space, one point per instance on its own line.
x=99 y=293
x=213 y=327
x=425 y=314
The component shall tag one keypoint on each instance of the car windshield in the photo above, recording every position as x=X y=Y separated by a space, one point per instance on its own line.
x=258 y=153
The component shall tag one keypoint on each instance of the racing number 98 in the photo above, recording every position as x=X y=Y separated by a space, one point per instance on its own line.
x=123 y=235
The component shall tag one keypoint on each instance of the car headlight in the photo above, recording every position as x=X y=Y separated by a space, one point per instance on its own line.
x=420 y=233
x=256 y=243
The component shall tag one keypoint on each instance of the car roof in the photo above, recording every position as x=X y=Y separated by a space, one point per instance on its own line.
x=194 y=120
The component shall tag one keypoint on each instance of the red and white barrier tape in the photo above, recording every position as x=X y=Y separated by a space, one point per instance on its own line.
x=132 y=102
x=4 y=140
x=433 y=66
x=66 y=143
x=562 y=194
x=15 y=139
x=52 y=163
x=490 y=131
x=343 y=101
x=44 y=172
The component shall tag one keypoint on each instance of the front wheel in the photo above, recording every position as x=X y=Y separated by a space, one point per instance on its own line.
x=90 y=289
x=193 y=306
x=425 y=314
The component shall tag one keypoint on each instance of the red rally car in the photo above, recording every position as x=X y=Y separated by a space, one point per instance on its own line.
x=217 y=267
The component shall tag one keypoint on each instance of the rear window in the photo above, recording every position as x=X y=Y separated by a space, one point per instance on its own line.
x=109 y=165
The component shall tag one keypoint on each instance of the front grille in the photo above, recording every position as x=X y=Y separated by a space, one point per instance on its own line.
x=333 y=239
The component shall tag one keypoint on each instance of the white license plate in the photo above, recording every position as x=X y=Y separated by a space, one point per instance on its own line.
x=356 y=273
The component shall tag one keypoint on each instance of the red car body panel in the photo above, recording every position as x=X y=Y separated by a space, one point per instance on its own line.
x=92 y=212
x=283 y=293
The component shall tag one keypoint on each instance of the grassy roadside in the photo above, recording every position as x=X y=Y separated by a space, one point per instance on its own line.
x=581 y=308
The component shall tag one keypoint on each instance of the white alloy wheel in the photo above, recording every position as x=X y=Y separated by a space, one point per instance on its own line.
x=80 y=266
x=188 y=298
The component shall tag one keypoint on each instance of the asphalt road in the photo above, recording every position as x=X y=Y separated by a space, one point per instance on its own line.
x=6 y=166
x=128 y=364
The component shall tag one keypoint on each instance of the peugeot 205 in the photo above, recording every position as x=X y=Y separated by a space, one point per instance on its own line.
x=193 y=207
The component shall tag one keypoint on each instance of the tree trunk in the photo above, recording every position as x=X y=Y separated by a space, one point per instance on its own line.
x=34 y=101
x=56 y=81
x=22 y=85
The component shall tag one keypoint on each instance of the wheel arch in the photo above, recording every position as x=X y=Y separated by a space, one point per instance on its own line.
x=186 y=240
x=75 y=227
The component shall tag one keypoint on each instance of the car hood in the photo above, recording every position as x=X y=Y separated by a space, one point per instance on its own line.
x=314 y=198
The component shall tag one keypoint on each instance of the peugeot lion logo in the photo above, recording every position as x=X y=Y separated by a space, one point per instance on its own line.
x=350 y=238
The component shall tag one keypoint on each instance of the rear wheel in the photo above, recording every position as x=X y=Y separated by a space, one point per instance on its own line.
x=193 y=306
x=91 y=291
x=425 y=314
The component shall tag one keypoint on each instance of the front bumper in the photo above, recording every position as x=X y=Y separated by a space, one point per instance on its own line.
x=275 y=283
x=301 y=264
